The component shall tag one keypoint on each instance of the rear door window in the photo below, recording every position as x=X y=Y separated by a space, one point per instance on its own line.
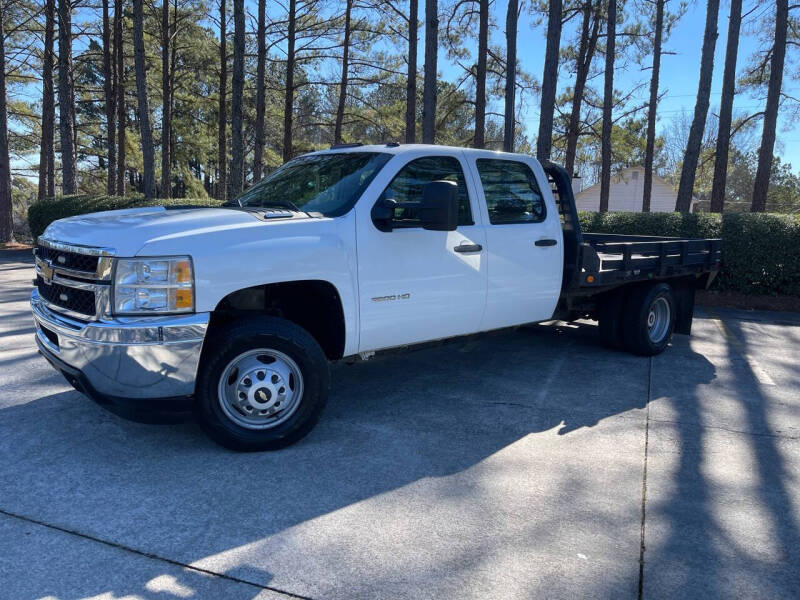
x=511 y=191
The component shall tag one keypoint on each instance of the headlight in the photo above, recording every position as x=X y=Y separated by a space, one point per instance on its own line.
x=153 y=285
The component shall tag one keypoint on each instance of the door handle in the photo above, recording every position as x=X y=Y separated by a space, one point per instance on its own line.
x=546 y=242
x=468 y=248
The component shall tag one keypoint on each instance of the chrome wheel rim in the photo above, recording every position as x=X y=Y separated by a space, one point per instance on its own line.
x=658 y=318
x=260 y=389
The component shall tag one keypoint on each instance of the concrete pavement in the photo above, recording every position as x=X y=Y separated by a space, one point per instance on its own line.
x=519 y=464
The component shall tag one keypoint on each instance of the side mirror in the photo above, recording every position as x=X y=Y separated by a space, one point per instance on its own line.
x=383 y=213
x=439 y=208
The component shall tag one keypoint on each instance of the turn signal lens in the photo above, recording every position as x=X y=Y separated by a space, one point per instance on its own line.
x=590 y=279
x=184 y=298
x=183 y=271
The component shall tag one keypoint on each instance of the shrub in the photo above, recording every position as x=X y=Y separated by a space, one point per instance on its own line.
x=759 y=251
x=44 y=212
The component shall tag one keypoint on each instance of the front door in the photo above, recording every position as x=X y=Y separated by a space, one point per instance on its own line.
x=414 y=284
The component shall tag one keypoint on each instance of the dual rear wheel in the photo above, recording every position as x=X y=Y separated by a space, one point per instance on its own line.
x=640 y=320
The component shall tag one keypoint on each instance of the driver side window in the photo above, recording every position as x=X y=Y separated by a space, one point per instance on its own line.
x=408 y=185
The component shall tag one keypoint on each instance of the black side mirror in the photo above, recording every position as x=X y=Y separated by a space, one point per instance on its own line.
x=383 y=213
x=439 y=208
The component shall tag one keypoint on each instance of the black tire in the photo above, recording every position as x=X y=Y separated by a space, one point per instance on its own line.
x=609 y=319
x=636 y=333
x=227 y=343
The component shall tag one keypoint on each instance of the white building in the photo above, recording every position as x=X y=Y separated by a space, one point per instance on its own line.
x=626 y=193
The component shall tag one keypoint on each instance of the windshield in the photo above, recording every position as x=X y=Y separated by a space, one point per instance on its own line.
x=324 y=183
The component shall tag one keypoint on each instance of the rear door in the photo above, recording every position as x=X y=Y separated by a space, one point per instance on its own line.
x=417 y=285
x=524 y=240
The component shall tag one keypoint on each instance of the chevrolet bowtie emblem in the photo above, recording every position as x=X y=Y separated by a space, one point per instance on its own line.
x=47 y=272
x=262 y=396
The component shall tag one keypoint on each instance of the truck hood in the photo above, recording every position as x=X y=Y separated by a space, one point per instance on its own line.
x=128 y=231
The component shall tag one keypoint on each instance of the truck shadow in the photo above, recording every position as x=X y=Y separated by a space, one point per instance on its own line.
x=391 y=421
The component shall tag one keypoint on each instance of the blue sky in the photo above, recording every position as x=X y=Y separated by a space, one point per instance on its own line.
x=679 y=71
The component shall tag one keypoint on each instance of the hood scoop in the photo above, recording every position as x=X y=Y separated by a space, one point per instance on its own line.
x=279 y=213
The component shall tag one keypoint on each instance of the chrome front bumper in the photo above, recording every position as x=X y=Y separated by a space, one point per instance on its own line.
x=125 y=358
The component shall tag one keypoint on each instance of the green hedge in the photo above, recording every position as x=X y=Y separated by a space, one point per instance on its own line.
x=44 y=212
x=760 y=252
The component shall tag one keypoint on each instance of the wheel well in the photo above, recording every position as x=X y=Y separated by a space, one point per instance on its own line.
x=313 y=305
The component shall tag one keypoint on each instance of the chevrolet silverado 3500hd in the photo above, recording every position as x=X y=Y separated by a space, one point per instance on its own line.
x=234 y=312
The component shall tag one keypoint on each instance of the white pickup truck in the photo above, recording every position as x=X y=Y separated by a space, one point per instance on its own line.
x=234 y=312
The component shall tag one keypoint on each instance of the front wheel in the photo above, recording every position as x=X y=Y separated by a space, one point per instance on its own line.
x=649 y=319
x=262 y=385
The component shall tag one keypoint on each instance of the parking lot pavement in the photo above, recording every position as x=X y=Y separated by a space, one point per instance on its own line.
x=519 y=464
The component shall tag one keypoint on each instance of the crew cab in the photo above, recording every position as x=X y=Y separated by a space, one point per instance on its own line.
x=235 y=312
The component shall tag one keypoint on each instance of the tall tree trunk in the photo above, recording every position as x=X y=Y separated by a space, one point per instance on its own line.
x=337 y=129
x=726 y=109
x=608 y=106
x=544 y=141
x=46 y=153
x=166 y=102
x=479 y=140
x=66 y=98
x=236 y=180
x=139 y=58
x=108 y=90
x=411 y=82
x=6 y=210
x=512 y=16
x=692 y=156
x=652 y=108
x=590 y=28
x=122 y=115
x=173 y=61
x=222 y=123
x=288 y=104
x=431 y=65
x=761 y=185
x=258 y=151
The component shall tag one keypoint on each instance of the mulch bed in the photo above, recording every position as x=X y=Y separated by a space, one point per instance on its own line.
x=746 y=302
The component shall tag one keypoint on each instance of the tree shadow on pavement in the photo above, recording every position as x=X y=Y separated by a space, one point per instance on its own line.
x=404 y=418
x=721 y=519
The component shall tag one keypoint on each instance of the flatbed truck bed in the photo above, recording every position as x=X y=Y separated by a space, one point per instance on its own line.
x=606 y=274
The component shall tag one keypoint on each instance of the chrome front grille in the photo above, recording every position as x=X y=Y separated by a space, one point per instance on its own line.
x=83 y=263
x=69 y=298
x=74 y=280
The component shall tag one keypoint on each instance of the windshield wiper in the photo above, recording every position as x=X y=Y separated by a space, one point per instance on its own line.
x=284 y=203
x=271 y=204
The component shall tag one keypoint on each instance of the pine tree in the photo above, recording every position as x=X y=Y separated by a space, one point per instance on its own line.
x=726 y=108
x=544 y=141
x=652 y=107
x=692 y=154
x=761 y=185
x=148 y=152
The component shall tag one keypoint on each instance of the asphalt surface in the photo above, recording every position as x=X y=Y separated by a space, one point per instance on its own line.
x=522 y=464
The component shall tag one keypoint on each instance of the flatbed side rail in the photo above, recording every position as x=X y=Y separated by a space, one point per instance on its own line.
x=607 y=261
